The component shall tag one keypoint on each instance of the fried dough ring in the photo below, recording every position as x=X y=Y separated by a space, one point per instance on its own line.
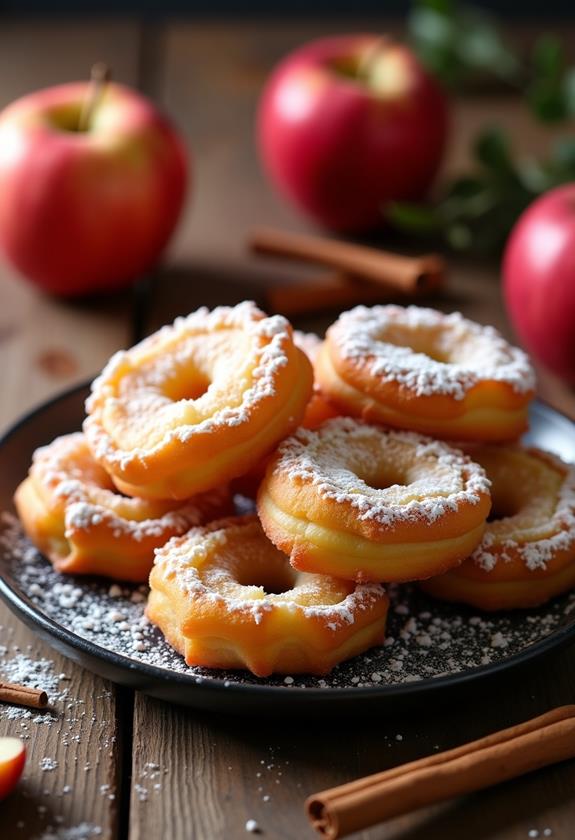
x=362 y=503
x=527 y=556
x=72 y=512
x=225 y=597
x=415 y=368
x=197 y=403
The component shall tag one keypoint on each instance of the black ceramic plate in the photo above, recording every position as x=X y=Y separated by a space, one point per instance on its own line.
x=431 y=646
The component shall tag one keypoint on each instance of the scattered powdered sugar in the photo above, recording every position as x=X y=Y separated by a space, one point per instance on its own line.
x=144 y=410
x=150 y=780
x=536 y=551
x=425 y=639
x=271 y=773
x=341 y=457
x=48 y=764
x=392 y=343
x=83 y=831
x=70 y=719
x=17 y=667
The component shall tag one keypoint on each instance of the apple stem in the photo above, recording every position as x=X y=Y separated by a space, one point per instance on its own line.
x=370 y=56
x=100 y=75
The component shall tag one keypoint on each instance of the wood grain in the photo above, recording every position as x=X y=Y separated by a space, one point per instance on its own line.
x=77 y=738
x=46 y=345
x=222 y=772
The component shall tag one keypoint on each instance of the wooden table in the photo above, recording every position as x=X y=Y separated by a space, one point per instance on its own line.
x=117 y=765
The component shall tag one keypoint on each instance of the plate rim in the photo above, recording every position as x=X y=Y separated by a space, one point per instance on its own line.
x=22 y=605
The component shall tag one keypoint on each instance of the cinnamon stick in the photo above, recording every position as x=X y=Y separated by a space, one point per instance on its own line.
x=328 y=291
x=409 y=275
x=23 y=695
x=496 y=758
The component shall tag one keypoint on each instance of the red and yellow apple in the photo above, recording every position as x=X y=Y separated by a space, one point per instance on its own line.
x=87 y=209
x=349 y=123
x=539 y=280
x=12 y=760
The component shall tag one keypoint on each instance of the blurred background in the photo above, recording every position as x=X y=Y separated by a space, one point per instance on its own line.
x=507 y=73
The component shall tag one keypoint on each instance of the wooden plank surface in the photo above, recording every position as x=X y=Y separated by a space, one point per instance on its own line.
x=207 y=775
x=73 y=773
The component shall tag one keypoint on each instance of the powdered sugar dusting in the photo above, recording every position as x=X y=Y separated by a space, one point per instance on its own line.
x=394 y=344
x=460 y=639
x=82 y=831
x=183 y=561
x=21 y=669
x=429 y=478
x=78 y=495
x=133 y=388
x=535 y=551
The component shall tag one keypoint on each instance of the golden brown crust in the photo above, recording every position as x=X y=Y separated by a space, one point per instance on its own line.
x=209 y=597
x=319 y=499
x=196 y=404
x=528 y=555
x=496 y=595
x=354 y=374
x=73 y=514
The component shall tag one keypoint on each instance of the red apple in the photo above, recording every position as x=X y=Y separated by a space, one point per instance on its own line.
x=347 y=124
x=539 y=274
x=12 y=760
x=87 y=210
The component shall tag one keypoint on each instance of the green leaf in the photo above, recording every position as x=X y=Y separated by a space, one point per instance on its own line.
x=491 y=149
x=414 y=218
x=569 y=91
x=548 y=57
x=482 y=47
x=434 y=37
x=456 y=41
x=539 y=176
x=536 y=176
x=432 y=29
x=563 y=153
x=547 y=93
x=472 y=207
x=459 y=236
x=439 y=16
x=478 y=209
x=442 y=7
x=466 y=186
x=548 y=102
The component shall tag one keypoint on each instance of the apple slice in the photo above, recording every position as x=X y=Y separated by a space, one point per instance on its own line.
x=12 y=760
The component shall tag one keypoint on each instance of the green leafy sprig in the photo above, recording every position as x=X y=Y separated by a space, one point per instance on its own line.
x=476 y=211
